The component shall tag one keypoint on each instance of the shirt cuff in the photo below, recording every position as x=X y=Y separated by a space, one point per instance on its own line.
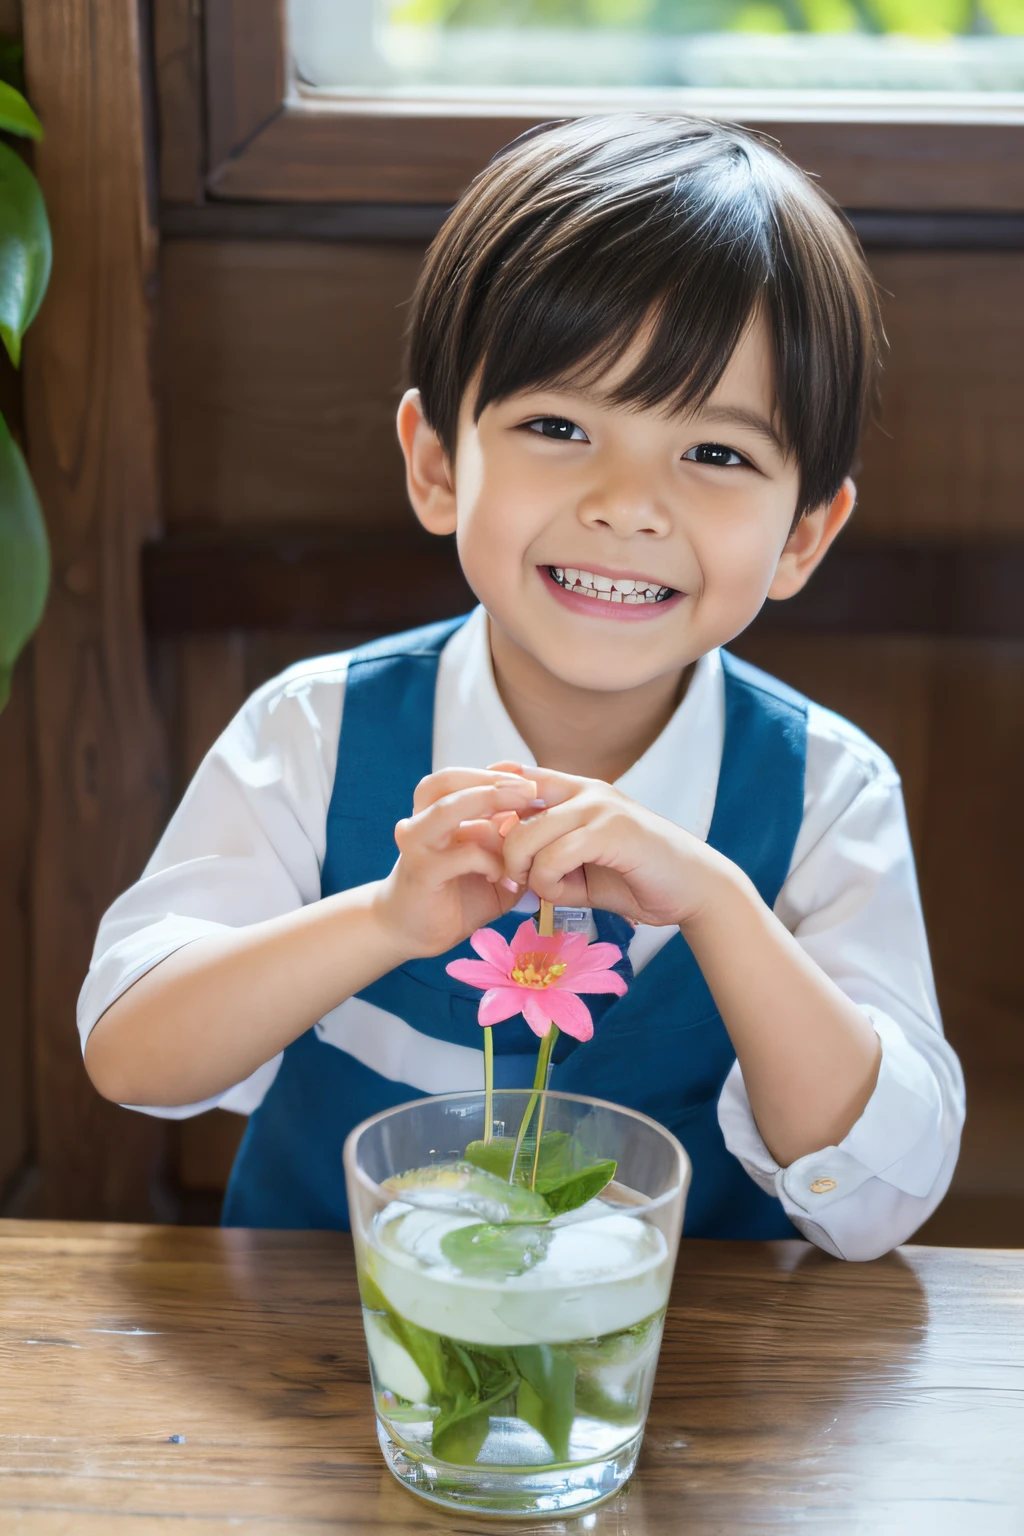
x=900 y=1139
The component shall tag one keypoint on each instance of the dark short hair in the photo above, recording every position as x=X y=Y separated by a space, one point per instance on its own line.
x=576 y=236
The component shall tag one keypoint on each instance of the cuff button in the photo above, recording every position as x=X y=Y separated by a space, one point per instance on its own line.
x=822 y=1186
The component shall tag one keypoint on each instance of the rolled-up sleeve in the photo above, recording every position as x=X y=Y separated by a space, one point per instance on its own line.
x=851 y=901
x=246 y=844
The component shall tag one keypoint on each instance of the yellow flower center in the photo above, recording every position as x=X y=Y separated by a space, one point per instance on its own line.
x=537 y=968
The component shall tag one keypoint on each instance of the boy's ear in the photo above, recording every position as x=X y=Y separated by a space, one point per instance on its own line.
x=428 y=476
x=809 y=541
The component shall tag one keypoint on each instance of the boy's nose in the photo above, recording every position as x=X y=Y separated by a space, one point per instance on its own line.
x=625 y=510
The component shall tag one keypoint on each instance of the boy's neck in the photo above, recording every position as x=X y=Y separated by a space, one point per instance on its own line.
x=594 y=734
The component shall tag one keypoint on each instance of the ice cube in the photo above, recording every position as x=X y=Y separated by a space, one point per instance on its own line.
x=462 y=1187
x=395 y=1369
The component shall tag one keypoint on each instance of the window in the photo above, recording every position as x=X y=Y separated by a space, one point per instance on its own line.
x=472 y=49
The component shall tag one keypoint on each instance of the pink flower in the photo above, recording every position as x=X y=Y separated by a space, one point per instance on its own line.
x=539 y=978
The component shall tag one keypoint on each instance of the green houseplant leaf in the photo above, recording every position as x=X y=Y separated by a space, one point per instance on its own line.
x=16 y=116
x=24 y=557
x=25 y=251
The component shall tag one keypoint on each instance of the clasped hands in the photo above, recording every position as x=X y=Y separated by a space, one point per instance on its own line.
x=477 y=838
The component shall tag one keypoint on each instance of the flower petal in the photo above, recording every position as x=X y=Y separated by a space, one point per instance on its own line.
x=570 y=1014
x=593 y=981
x=536 y=1007
x=499 y=1003
x=525 y=937
x=490 y=945
x=574 y=945
x=478 y=973
x=596 y=957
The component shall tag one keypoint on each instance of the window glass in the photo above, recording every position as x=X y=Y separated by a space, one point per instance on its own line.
x=476 y=47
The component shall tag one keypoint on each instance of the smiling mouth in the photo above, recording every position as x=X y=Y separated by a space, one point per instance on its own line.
x=609 y=589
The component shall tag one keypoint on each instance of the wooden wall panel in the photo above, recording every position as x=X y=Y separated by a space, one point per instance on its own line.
x=972 y=853
x=281 y=364
x=91 y=428
x=950 y=458
x=17 y=807
x=280 y=370
x=884 y=684
x=951 y=715
x=178 y=67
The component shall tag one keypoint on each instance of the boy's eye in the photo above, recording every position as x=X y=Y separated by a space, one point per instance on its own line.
x=716 y=454
x=558 y=428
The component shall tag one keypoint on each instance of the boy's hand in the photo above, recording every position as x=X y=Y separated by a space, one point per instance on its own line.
x=594 y=847
x=447 y=879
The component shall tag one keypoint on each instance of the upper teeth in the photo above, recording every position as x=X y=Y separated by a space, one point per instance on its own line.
x=613 y=589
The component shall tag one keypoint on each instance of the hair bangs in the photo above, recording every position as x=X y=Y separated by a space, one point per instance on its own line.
x=601 y=235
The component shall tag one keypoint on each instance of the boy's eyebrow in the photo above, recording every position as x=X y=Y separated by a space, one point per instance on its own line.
x=737 y=416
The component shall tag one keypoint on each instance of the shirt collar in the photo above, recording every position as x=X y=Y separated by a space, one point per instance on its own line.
x=677 y=777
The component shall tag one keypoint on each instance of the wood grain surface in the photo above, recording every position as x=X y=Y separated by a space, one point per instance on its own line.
x=307 y=154
x=793 y=1390
x=280 y=370
x=90 y=420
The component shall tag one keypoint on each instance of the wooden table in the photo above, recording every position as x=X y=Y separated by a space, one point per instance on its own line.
x=163 y=1380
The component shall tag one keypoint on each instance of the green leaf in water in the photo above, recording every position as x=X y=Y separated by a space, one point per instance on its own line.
x=468 y=1383
x=423 y=1346
x=486 y=1250
x=460 y=1432
x=547 y=1393
x=596 y=1403
x=566 y=1176
x=624 y=1348
x=479 y=1383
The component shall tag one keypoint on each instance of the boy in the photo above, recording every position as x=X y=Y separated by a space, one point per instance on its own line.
x=641 y=351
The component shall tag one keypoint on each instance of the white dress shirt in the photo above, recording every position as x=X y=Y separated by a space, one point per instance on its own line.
x=249 y=838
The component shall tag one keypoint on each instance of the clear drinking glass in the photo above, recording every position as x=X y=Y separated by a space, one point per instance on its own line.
x=512 y=1353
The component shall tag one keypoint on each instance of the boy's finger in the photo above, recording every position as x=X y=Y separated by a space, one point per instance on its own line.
x=558 y=862
x=524 y=842
x=448 y=781
x=434 y=826
x=467 y=859
x=552 y=787
x=483 y=832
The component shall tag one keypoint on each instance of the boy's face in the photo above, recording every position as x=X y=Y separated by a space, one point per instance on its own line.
x=555 y=493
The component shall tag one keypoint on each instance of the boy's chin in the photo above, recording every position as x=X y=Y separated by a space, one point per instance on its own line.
x=594 y=672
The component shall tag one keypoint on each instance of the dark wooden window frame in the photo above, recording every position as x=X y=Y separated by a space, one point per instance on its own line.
x=263 y=144
x=243 y=160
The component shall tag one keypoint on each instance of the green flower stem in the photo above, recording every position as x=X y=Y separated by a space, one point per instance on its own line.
x=488 y=1084
x=540 y=1082
x=540 y=1077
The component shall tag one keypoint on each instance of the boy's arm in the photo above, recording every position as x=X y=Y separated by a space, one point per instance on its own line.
x=851 y=903
x=213 y=1011
x=222 y=952
x=809 y=1056
x=804 y=1012
x=244 y=847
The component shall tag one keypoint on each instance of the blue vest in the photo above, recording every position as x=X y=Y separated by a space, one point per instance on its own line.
x=662 y=1048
